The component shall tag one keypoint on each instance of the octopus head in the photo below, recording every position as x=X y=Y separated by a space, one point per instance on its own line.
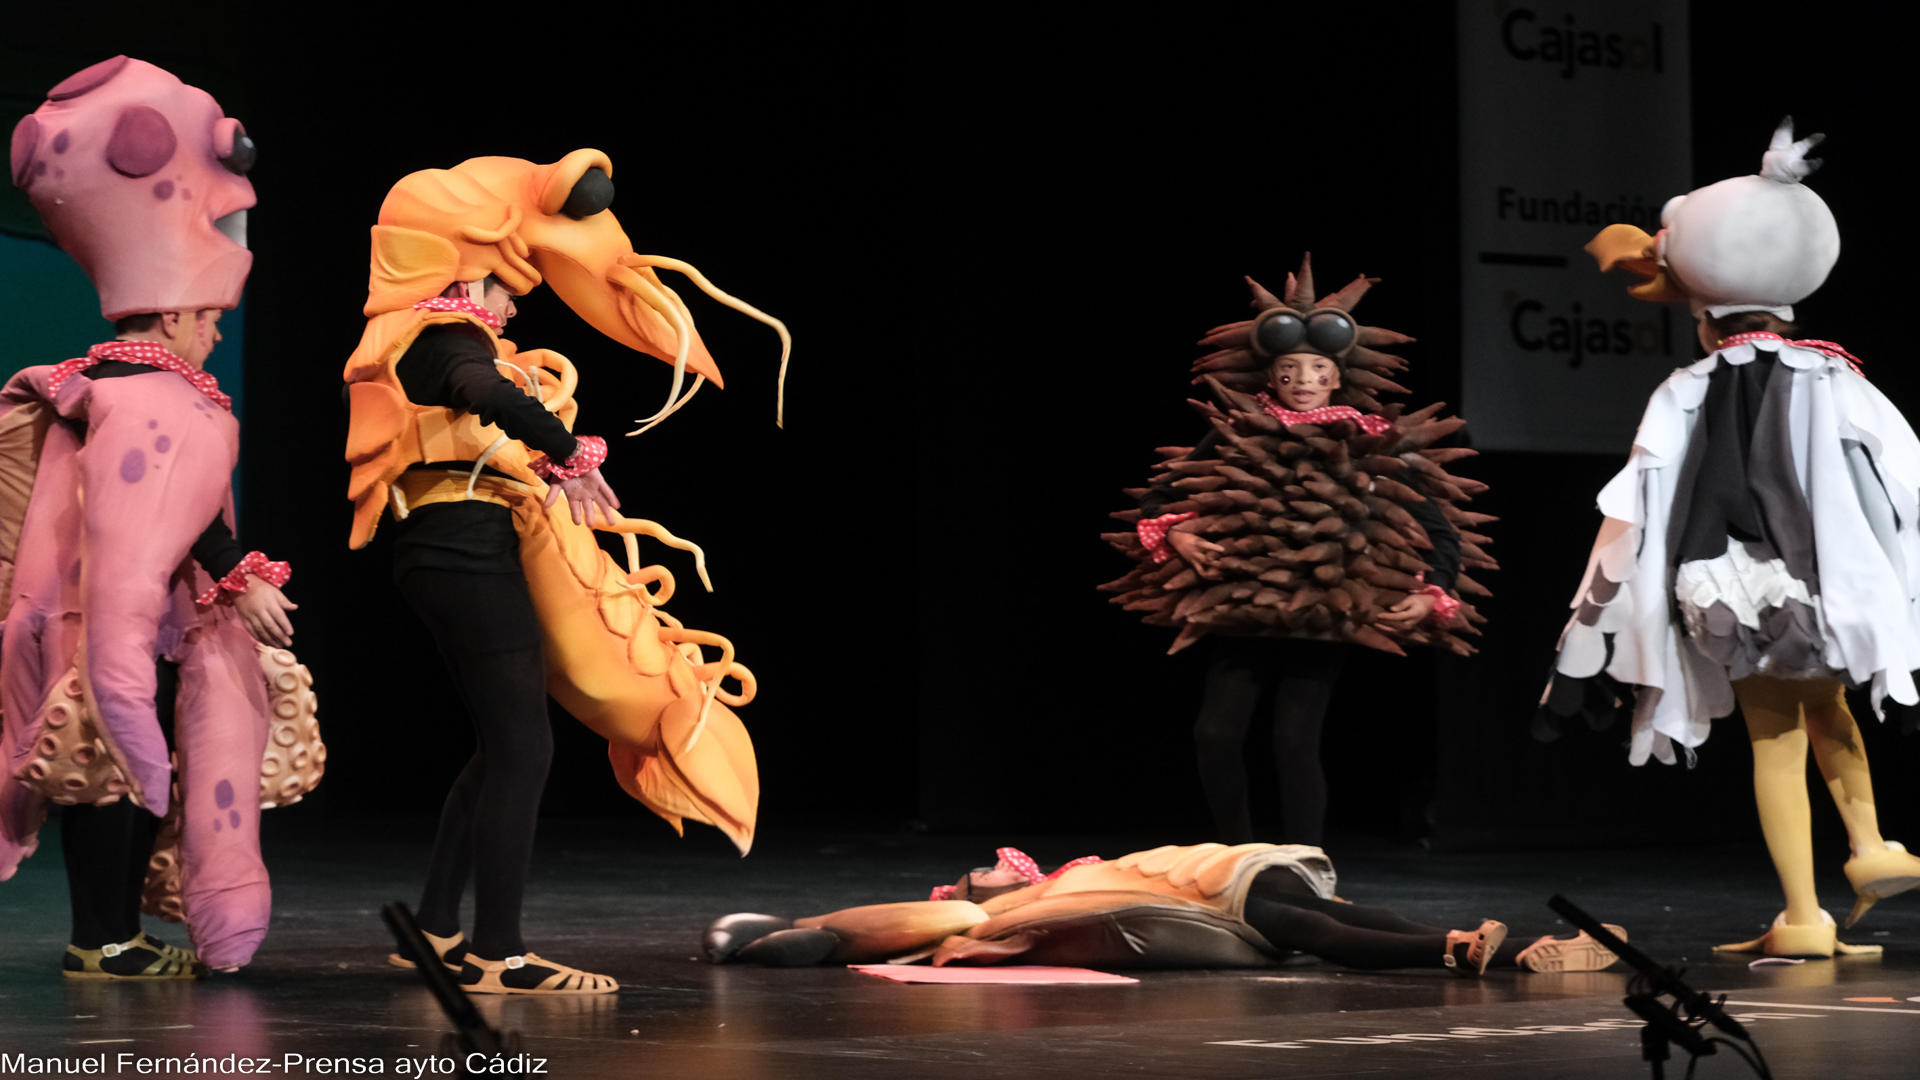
x=142 y=179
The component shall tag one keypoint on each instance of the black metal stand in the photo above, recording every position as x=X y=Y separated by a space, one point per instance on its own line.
x=1653 y=1050
x=472 y=1034
x=1664 y=1025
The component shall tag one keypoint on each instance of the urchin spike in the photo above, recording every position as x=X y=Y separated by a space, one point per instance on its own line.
x=1350 y=294
x=1300 y=283
x=1262 y=299
x=1375 y=335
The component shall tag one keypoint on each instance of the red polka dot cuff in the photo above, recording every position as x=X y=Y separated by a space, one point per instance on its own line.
x=1153 y=534
x=1445 y=606
x=255 y=565
x=589 y=453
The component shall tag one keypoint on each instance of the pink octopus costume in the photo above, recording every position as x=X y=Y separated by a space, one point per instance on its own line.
x=104 y=486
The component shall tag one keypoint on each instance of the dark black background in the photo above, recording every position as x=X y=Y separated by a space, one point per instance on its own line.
x=995 y=235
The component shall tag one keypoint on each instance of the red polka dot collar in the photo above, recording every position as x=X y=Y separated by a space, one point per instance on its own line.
x=1829 y=348
x=1022 y=864
x=1372 y=425
x=149 y=353
x=461 y=305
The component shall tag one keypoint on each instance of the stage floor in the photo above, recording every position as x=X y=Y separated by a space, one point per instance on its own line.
x=620 y=897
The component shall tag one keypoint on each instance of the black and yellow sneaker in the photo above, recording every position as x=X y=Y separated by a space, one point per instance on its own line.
x=139 y=957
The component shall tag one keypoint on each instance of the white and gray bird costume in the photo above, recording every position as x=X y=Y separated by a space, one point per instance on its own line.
x=1767 y=519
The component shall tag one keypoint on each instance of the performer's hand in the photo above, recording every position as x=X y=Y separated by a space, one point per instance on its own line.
x=1408 y=613
x=263 y=611
x=585 y=493
x=1198 y=551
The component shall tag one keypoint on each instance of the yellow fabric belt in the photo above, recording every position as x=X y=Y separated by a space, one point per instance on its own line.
x=425 y=487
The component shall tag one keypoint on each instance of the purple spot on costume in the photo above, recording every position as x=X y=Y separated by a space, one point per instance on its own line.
x=133 y=466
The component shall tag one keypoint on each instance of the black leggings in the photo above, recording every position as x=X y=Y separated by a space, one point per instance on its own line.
x=1288 y=914
x=1301 y=674
x=106 y=848
x=486 y=630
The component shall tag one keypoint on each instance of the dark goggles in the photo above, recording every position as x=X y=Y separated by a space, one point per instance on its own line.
x=1328 y=331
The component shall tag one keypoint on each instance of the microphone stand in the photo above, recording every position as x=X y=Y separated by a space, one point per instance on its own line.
x=471 y=1034
x=1664 y=1023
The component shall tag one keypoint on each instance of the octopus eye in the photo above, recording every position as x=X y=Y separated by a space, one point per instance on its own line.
x=231 y=144
x=592 y=193
x=1331 y=332
x=243 y=155
x=1277 y=332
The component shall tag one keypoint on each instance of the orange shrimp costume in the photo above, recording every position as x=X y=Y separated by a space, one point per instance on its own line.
x=615 y=660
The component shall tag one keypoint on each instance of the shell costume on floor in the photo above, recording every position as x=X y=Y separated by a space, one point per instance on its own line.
x=615 y=660
x=104 y=486
x=1819 y=578
x=1169 y=907
x=1312 y=516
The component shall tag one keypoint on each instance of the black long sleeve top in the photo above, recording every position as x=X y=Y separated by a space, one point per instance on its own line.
x=1443 y=561
x=451 y=365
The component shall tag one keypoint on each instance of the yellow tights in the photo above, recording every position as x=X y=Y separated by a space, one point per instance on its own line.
x=1783 y=717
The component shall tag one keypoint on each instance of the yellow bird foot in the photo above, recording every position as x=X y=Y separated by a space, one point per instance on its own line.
x=1879 y=875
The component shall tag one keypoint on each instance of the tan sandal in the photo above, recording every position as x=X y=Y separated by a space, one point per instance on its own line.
x=529 y=974
x=168 y=962
x=1577 y=953
x=1468 y=952
x=450 y=950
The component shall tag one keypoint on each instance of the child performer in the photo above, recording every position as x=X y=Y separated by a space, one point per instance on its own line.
x=1761 y=544
x=1208 y=905
x=126 y=579
x=1305 y=521
x=467 y=440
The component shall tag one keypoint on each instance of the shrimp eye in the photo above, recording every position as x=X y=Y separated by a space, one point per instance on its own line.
x=592 y=193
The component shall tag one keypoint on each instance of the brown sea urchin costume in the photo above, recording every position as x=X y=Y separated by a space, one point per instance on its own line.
x=1313 y=517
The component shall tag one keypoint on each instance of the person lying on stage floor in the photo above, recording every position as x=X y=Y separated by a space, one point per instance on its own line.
x=1203 y=906
x=145 y=682
x=1308 y=519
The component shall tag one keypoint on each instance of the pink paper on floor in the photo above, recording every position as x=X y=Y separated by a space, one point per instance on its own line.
x=993 y=976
